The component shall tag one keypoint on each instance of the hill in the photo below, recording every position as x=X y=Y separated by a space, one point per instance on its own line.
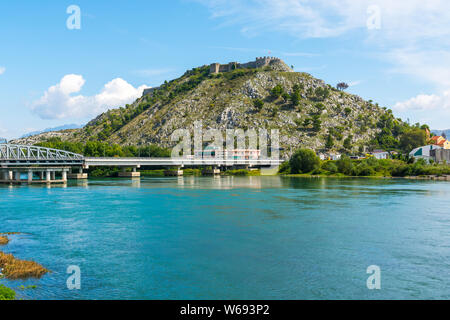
x=308 y=112
x=439 y=132
x=59 y=128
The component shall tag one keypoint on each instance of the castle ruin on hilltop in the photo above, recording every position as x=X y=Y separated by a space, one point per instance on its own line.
x=260 y=62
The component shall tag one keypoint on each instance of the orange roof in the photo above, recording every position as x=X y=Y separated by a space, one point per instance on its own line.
x=435 y=138
x=438 y=140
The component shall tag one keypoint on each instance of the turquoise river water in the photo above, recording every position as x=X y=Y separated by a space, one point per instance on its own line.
x=232 y=238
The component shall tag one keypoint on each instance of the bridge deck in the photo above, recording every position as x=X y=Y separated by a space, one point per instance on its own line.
x=179 y=162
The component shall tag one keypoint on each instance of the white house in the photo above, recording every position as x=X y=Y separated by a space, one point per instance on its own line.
x=380 y=154
x=335 y=156
x=424 y=152
x=235 y=154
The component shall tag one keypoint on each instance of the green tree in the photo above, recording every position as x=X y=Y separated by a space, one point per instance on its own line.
x=277 y=91
x=321 y=93
x=304 y=161
x=348 y=142
x=345 y=165
x=330 y=142
x=258 y=104
x=317 y=123
x=295 y=98
x=413 y=138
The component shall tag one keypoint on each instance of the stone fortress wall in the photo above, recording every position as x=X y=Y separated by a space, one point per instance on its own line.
x=260 y=62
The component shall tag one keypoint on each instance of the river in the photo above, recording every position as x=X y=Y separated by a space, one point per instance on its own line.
x=232 y=237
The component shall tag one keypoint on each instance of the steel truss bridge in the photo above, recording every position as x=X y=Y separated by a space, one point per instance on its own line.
x=19 y=155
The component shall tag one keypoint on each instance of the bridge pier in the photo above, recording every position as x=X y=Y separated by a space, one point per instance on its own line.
x=77 y=175
x=13 y=175
x=133 y=174
x=174 y=173
x=213 y=171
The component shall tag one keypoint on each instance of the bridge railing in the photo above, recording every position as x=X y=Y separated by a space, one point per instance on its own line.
x=13 y=152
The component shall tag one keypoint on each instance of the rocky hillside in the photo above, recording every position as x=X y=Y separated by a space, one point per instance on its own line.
x=308 y=112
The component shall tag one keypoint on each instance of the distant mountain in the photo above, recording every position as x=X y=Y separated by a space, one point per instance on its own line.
x=439 y=132
x=63 y=127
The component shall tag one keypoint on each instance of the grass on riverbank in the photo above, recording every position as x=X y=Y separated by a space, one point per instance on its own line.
x=242 y=172
x=3 y=240
x=345 y=167
x=14 y=269
x=7 y=293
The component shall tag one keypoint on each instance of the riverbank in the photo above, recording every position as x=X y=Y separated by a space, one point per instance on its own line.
x=337 y=176
x=16 y=269
x=305 y=162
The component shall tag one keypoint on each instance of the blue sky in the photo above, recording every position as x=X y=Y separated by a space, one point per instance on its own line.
x=394 y=53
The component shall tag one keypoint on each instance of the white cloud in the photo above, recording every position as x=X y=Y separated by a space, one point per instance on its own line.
x=432 y=109
x=405 y=20
x=2 y=70
x=354 y=83
x=425 y=102
x=60 y=101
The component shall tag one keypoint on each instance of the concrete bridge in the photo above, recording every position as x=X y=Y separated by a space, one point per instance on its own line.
x=46 y=165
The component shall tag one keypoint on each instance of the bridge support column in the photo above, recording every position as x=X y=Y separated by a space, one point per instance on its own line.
x=133 y=174
x=213 y=171
x=53 y=175
x=174 y=173
x=17 y=176
x=48 y=176
x=30 y=176
x=6 y=176
x=41 y=175
x=77 y=176
x=64 y=176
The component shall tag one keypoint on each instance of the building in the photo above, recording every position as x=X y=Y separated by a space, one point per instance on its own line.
x=235 y=154
x=380 y=154
x=335 y=156
x=331 y=156
x=441 y=155
x=440 y=141
x=424 y=152
x=260 y=62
